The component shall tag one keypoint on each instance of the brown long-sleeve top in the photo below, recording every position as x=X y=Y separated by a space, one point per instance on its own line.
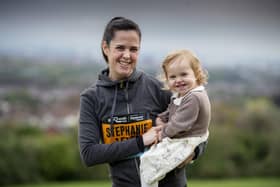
x=188 y=116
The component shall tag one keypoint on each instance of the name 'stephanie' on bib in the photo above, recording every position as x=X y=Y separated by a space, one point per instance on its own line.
x=125 y=127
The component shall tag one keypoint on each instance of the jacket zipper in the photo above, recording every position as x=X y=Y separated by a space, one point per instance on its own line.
x=127 y=104
x=128 y=111
x=126 y=97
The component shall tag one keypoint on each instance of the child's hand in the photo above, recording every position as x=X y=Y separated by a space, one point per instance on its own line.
x=159 y=122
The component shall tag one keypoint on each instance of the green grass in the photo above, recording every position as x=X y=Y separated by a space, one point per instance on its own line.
x=255 y=182
x=70 y=184
x=269 y=182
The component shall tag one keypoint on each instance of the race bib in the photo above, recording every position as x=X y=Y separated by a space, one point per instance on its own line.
x=125 y=127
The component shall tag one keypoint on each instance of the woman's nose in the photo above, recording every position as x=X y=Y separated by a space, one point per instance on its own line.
x=126 y=54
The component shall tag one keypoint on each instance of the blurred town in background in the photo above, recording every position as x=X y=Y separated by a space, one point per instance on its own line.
x=39 y=108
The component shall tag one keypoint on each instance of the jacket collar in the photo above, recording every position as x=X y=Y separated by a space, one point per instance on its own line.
x=104 y=80
x=177 y=100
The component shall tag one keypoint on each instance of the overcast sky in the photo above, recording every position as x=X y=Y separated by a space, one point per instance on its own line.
x=214 y=29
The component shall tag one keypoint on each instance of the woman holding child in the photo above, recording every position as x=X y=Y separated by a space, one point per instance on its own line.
x=118 y=112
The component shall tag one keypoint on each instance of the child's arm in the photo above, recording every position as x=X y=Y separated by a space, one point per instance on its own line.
x=159 y=122
x=162 y=120
x=184 y=118
x=164 y=116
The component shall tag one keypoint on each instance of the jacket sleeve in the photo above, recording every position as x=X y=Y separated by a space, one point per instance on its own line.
x=89 y=137
x=164 y=116
x=184 y=117
x=165 y=99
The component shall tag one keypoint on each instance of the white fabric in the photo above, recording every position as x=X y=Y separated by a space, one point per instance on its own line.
x=166 y=156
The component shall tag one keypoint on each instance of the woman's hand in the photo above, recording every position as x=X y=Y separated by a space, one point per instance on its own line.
x=151 y=136
x=188 y=160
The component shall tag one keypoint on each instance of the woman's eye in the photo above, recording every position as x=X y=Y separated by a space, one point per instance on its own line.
x=134 y=50
x=120 y=48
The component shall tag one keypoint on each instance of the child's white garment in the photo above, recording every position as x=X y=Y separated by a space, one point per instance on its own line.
x=166 y=156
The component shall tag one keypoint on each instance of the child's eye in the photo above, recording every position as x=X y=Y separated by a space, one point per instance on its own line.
x=172 y=77
x=184 y=74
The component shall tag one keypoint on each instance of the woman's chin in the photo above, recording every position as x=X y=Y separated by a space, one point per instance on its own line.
x=125 y=73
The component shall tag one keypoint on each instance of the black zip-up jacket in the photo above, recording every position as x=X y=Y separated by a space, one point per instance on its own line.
x=140 y=93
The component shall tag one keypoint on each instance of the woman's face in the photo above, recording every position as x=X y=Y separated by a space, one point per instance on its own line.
x=122 y=53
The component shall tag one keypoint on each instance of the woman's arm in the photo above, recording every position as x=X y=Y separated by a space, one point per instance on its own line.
x=91 y=149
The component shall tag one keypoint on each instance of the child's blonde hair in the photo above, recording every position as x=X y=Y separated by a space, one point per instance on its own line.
x=201 y=75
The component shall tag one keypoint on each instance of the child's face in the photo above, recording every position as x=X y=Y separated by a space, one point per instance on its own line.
x=180 y=76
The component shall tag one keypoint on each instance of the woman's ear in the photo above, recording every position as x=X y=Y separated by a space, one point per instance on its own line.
x=105 y=47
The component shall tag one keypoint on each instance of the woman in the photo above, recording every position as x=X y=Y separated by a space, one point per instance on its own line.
x=118 y=112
